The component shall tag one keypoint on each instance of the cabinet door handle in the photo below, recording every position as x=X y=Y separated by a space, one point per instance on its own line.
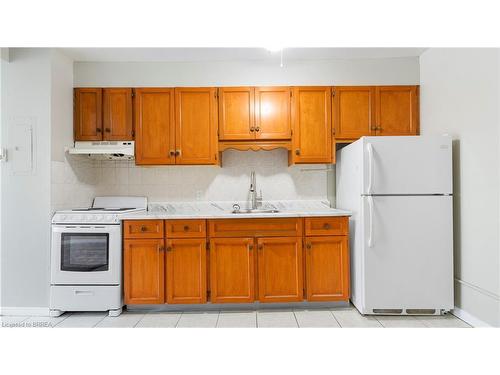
x=252 y=129
x=99 y=130
x=108 y=130
x=309 y=246
x=177 y=152
x=169 y=248
x=297 y=152
x=171 y=153
x=261 y=247
x=257 y=129
x=250 y=247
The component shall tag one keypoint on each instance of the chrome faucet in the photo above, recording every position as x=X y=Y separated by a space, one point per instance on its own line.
x=255 y=200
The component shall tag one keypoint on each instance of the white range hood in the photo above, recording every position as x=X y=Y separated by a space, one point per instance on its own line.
x=105 y=150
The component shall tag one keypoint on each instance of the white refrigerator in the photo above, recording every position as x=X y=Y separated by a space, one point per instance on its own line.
x=399 y=190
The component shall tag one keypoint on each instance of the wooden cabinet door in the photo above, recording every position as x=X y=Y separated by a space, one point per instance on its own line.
x=327 y=268
x=154 y=126
x=312 y=125
x=232 y=270
x=196 y=125
x=236 y=113
x=353 y=111
x=272 y=113
x=280 y=269
x=397 y=110
x=143 y=271
x=186 y=270
x=88 y=114
x=117 y=114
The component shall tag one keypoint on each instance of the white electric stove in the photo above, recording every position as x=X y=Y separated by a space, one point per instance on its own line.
x=86 y=256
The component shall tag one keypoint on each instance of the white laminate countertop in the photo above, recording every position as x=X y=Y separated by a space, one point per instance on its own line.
x=222 y=210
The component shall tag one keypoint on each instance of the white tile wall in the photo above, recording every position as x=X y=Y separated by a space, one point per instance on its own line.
x=74 y=182
x=78 y=179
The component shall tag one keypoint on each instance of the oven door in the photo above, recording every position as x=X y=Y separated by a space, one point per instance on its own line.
x=86 y=254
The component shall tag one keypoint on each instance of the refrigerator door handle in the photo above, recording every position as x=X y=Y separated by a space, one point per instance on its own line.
x=369 y=149
x=370 y=217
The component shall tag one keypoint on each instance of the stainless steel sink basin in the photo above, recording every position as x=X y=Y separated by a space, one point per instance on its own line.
x=256 y=211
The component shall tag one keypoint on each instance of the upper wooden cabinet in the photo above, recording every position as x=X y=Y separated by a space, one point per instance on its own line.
x=155 y=126
x=353 y=111
x=196 y=125
x=397 y=110
x=117 y=114
x=236 y=113
x=272 y=113
x=87 y=114
x=103 y=114
x=312 y=126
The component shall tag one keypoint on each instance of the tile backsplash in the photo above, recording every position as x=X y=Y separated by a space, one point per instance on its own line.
x=275 y=178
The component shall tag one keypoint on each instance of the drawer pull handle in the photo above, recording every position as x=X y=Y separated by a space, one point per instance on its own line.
x=186 y=228
x=84 y=293
x=144 y=228
x=327 y=226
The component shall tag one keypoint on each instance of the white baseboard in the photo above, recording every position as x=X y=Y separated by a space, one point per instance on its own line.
x=469 y=318
x=24 y=311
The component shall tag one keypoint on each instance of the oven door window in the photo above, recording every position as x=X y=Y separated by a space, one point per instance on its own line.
x=85 y=252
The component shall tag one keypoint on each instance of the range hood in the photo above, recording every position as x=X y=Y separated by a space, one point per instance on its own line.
x=105 y=150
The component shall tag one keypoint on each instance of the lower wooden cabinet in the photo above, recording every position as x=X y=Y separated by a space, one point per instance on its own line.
x=186 y=271
x=144 y=271
x=327 y=268
x=232 y=270
x=256 y=262
x=280 y=269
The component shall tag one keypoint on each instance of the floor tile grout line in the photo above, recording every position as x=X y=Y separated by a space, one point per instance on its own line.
x=135 y=325
x=67 y=316
x=217 y=322
x=95 y=325
x=334 y=317
x=177 y=324
x=296 y=320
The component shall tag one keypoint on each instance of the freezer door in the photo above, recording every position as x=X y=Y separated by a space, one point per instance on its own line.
x=407 y=165
x=408 y=252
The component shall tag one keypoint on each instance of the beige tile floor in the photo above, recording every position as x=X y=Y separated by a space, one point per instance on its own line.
x=347 y=317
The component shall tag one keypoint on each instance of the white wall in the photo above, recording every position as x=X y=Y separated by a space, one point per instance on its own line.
x=460 y=96
x=394 y=71
x=26 y=82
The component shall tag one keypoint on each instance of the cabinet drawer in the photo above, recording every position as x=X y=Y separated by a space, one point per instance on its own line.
x=185 y=228
x=143 y=229
x=286 y=227
x=327 y=226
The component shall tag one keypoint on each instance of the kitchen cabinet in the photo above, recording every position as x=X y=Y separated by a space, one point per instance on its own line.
x=155 y=126
x=353 y=112
x=117 y=114
x=311 y=124
x=260 y=259
x=327 y=268
x=272 y=113
x=397 y=110
x=143 y=271
x=232 y=270
x=103 y=114
x=87 y=114
x=236 y=113
x=186 y=278
x=280 y=269
x=196 y=125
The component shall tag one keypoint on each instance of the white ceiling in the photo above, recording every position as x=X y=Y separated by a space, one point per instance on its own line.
x=228 y=54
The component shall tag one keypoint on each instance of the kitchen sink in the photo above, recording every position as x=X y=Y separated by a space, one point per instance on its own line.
x=255 y=211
